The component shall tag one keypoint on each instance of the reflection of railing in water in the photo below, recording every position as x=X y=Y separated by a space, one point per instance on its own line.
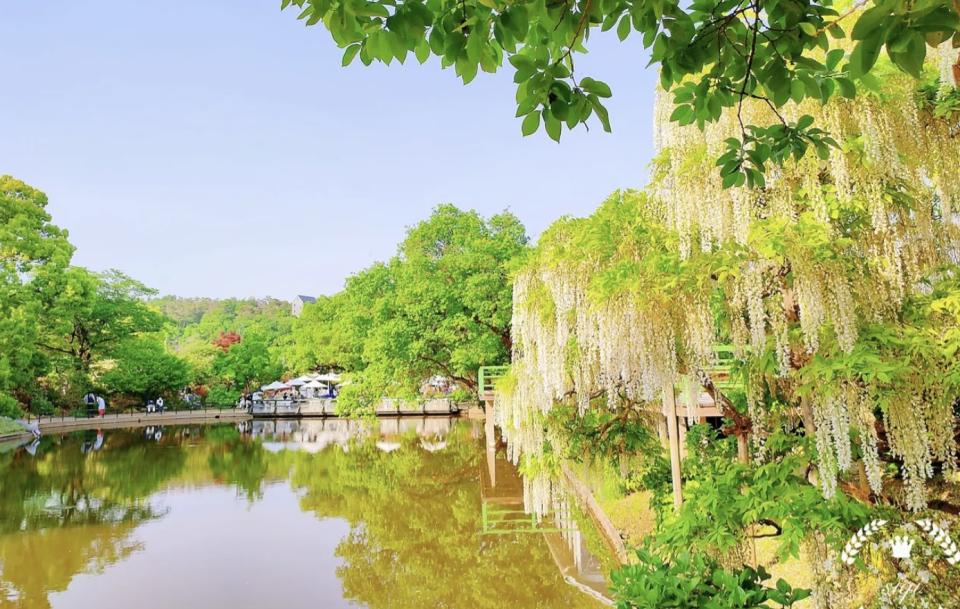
x=503 y=513
x=327 y=407
x=314 y=435
x=580 y=567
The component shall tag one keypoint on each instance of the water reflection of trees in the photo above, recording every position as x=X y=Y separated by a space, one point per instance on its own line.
x=415 y=515
x=415 y=531
x=71 y=509
x=237 y=460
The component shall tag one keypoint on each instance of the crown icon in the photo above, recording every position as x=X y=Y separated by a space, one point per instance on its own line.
x=901 y=546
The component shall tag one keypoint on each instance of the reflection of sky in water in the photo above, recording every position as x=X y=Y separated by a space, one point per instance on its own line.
x=209 y=518
x=199 y=555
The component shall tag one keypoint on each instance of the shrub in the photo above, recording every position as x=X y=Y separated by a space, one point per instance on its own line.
x=222 y=396
x=694 y=581
x=9 y=407
x=40 y=404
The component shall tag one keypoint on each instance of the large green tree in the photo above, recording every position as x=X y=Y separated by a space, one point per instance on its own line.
x=713 y=54
x=92 y=313
x=143 y=367
x=441 y=306
x=32 y=250
x=246 y=364
x=201 y=325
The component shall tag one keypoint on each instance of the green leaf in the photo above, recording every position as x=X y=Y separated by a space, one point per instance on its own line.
x=847 y=88
x=601 y=111
x=869 y=23
x=833 y=58
x=597 y=87
x=732 y=178
x=349 y=53
x=422 y=50
x=553 y=126
x=682 y=114
x=370 y=9
x=865 y=55
x=910 y=59
x=530 y=123
x=797 y=90
x=808 y=28
x=522 y=62
x=624 y=28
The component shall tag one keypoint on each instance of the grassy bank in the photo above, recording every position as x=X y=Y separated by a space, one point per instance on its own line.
x=9 y=426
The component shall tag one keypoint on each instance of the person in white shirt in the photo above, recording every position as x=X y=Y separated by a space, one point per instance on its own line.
x=101 y=406
x=160 y=404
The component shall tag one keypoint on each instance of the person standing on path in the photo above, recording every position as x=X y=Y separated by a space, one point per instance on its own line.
x=101 y=406
x=160 y=404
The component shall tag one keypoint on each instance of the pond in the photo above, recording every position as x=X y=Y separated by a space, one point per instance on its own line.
x=403 y=513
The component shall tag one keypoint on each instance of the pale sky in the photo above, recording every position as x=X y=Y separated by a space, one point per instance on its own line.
x=217 y=148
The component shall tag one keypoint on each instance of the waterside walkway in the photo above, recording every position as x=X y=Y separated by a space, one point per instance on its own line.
x=139 y=419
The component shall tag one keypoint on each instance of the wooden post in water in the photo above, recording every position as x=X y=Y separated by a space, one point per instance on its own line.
x=673 y=438
x=491 y=439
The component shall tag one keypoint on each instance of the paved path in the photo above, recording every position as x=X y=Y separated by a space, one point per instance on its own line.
x=140 y=419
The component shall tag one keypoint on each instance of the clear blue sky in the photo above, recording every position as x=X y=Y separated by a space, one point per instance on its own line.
x=217 y=148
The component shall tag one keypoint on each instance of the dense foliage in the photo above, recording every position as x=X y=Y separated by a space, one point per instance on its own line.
x=833 y=283
x=441 y=306
x=691 y=581
x=32 y=249
x=61 y=326
x=66 y=330
x=714 y=55
x=232 y=346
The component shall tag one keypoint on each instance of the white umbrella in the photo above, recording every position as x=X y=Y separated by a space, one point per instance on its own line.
x=315 y=385
x=296 y=382
x=274 y=386
x=329 y=378
x=303 y=378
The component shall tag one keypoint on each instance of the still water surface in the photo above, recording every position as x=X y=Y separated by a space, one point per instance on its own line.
x=318 y=514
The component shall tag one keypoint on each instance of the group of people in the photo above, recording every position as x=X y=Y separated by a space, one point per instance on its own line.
x=155 y=405
x=94 y=402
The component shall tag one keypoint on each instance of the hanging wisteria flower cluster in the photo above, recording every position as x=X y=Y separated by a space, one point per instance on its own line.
x=621 y=303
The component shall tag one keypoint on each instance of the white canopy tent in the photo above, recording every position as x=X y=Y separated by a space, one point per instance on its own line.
x=274 y=386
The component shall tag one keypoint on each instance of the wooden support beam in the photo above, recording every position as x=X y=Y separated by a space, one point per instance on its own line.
x=673 y=436
x=682 y=428
x=490 y=435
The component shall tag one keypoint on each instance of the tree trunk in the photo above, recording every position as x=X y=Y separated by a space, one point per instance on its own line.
x=743 y=449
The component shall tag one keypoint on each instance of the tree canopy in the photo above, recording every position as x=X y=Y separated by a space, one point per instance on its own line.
x=712 y=54
x=32 y=250
x=91 y=313
x=441 y=306
x=143 y=367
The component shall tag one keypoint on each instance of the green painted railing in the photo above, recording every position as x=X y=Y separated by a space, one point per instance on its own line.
x=487 y=377
x=511 y=520
x=722 y=371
